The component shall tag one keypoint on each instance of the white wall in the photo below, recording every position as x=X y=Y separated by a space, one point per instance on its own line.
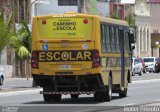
x=3 y=58
x=7 y=70
x=50 y=7
x=103 y=8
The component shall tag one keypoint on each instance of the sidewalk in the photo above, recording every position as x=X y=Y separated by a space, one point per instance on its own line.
x=146 y=76
x=16 y=84
x=154 y=104
x=17 y=79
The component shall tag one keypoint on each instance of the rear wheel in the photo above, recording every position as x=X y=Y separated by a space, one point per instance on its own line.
x=101 y=96
x=141 y=72
x=133 y=73
x=47 y=98
x=1 y=81
x=74 y=96
x=56 y=97
x=123 y=93
x=156 y=71
x=109 y=89
x=144 y=71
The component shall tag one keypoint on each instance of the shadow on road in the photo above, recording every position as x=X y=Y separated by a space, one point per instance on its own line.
x=81 y=100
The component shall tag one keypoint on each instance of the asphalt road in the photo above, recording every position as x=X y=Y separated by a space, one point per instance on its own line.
x=18 y=92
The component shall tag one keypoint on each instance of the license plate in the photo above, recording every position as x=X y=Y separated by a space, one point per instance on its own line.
x=65 y=66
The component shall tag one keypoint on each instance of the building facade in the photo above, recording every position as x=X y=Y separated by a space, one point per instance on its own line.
x=142 y=22
x=155 y=26
x=147 y=26
x=22 y=10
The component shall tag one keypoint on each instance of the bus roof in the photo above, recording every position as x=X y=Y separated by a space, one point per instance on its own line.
x=68 y=14
x=113 y=21
x=74 y=14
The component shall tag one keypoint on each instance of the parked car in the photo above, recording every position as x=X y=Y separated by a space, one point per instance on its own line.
x=143 y=64
x=136 y=67
x=157 y=65
x=150 y=63
x=1 y=76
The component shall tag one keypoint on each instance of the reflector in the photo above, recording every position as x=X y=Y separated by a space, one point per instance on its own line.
x=85 y=21
x=44 y=21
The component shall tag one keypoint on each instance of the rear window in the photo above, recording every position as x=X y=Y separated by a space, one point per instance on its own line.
x=65 y=28
x=148 y=59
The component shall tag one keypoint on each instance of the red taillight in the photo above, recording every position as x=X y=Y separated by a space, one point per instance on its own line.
x=44 y=22
x=96 y=59
x=85 y=21
x=34 y=54
x=34 y=60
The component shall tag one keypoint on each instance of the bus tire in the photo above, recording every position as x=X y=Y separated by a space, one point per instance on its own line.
x=47 y=98
x=1 y=81
x=109 y=89
x=99 y=96
x=56 y=97
x=74 y=96
x=123 y=94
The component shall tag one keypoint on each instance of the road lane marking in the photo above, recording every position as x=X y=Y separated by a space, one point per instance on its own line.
x=127 y=104
x=135 y=88
x=89 y=110
x=158 y=100
x=145 y=81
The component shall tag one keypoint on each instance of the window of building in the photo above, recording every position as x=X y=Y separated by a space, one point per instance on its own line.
x=141 y=34
x=21 y=10
x=67 y=2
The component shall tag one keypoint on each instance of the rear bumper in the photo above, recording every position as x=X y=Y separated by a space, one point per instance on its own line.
x=150 y=69
x=68 y=83
x=66 y=93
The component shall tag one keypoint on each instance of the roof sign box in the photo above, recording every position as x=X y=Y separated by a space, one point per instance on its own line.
x=153 y=1
x=128 y=1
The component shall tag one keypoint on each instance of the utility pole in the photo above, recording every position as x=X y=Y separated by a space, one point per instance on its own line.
x=79 y=6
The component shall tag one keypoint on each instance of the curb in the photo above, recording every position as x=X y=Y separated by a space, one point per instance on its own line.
x=19 y=92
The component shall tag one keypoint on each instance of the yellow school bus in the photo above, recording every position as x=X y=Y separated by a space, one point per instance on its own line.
x=76 y=54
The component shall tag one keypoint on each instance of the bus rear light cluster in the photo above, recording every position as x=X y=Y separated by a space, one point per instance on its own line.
x=44 y=22
x=85 y=21
x=96 y=59
x=34 y=60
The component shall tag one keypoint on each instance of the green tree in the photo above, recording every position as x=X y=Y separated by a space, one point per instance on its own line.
x=130 y=19
x=114 y=16
x=5 y=31
x=21 y=43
